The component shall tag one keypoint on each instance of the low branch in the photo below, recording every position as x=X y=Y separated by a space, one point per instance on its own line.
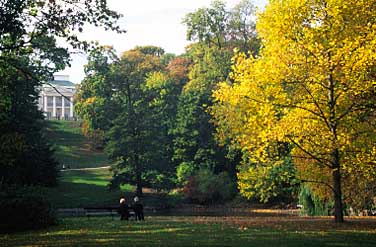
x=317 y=182
x=37 y=79
x=320 y=160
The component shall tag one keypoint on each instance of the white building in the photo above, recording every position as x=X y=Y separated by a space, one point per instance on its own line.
x=56 y=98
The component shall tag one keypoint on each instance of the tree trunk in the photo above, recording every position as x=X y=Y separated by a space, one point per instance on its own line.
x=139 y=185
x=138 y=176
x=338 y=206
x=333 y=124
x=137 y=165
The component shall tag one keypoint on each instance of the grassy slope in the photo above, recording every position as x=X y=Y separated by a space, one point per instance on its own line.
x=85 y=188
x=90 y=188
x=79 y=188
x=197 y=231
x=72 y=148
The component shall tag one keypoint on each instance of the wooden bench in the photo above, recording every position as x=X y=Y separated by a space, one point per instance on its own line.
x=104 y=211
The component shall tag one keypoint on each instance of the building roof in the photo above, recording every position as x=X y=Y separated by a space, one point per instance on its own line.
x=62 y=83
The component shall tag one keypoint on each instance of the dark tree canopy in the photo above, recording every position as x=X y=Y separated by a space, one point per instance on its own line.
x=29 y=55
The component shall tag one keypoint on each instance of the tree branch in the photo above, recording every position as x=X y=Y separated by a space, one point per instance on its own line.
x=38 y=80
x=320 y=160
x=317 y=182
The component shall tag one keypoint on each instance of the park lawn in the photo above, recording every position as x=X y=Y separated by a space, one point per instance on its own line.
x=199 y=231
x=84 y=188
x=89 y=188
x=72 y=149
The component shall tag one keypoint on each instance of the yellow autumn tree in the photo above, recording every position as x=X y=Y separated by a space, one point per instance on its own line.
x=313 y=88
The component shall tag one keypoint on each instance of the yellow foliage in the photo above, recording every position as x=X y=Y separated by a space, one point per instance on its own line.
x=313 y=86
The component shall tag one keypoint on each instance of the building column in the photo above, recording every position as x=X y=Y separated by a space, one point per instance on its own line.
x=71 y=107
x=62 y=108
x=45 y=104
x=53 y=106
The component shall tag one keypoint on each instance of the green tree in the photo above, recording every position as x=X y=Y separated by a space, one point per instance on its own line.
x=194 y=143
x=29 y=55
x=94 y=104
x=222 y=28
x=217 y=34
x=242 y=27
x=132 y=139
x=208 y=24
x=26 y=158
x=163 y=92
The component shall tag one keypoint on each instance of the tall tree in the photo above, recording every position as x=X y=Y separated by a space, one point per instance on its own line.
x=29 y=55
x=194 y=142
x=219 y=27
x=213 y=29
x=208 y=24
x=242 y=27
x=163 y=92
x=312 y=87
x=26 y=158
x=93 y=98
x=131 y=138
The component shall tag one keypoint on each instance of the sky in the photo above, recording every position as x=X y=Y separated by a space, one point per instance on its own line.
x=147 y=22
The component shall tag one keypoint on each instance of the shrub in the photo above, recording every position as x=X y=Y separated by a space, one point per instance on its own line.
x=96 y=138
x=312 y=205
x=23 y=212
x=205 y=187
x=184 y=171
x=158 y=180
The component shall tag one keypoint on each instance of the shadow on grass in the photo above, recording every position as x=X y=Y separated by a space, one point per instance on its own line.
x=168 y=232
x=71 y=147
x=74 y=195
x=83 y=189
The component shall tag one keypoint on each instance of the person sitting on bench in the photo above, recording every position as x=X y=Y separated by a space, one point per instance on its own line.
x=138 y=209
x=123 y=209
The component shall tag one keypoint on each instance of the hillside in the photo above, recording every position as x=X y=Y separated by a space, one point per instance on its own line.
x=72 y=148
x=85 y=187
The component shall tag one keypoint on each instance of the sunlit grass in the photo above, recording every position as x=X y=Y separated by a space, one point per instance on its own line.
x=198 y=231
x=100 y=177
x=71 y=147
x=85 y=188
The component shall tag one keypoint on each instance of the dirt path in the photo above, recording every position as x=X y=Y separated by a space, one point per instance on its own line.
x=85 y=169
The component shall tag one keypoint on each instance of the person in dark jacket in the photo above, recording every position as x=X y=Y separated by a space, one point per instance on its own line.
x=123 y=209
x=138 y=209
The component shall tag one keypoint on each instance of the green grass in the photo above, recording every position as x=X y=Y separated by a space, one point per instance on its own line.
x=196 y=231
x=84 y=188
x=71 y=147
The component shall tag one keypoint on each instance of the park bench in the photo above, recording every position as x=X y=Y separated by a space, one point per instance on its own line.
x=104 y=211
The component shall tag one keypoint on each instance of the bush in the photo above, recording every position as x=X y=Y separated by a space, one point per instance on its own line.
x=158 y=181
x=24 y=212
x=206 y=187
x=184 y=171
x=96 y=138
x=312 y=205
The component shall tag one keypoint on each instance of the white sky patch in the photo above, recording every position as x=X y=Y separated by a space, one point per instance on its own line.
x=147 y=22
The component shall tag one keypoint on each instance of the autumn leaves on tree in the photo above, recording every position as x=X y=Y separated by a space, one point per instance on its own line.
x=313 y=89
